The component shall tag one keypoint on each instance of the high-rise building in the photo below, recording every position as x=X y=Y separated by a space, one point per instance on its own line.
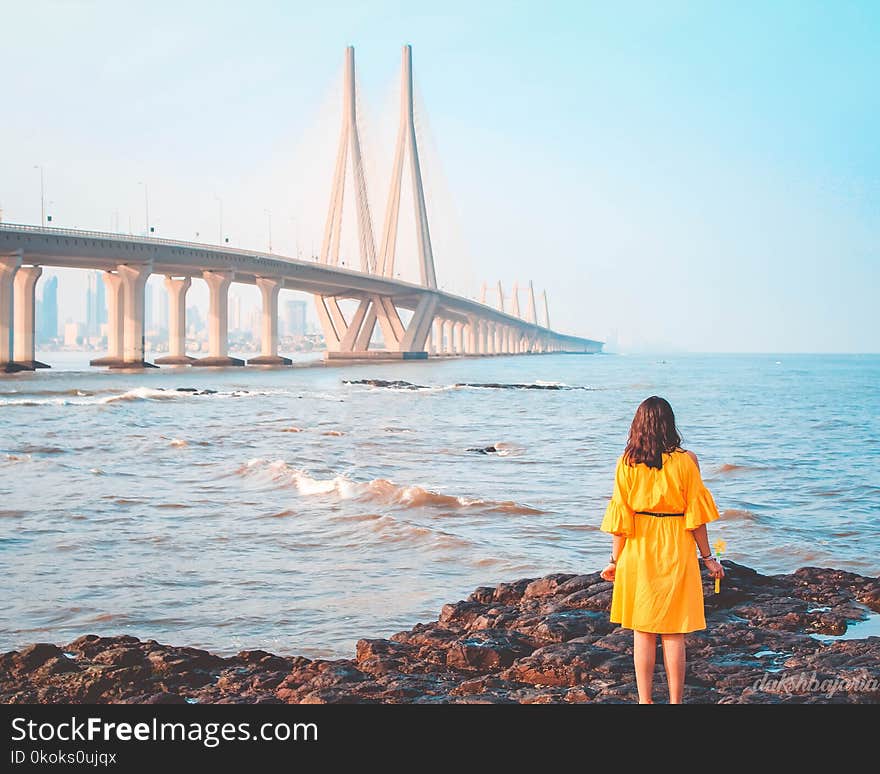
x=162 y=321
x=194 y=318
x=96 y=305
x=295 y=317
x=47 y=320
x=73 y=334
x=235 y=320
x=148 y=307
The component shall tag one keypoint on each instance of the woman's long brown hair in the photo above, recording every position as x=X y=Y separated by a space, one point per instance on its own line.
x=652 y=433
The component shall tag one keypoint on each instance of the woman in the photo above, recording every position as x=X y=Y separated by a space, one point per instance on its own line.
x=658 y=515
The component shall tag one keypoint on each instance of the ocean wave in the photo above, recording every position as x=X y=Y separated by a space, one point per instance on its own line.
x=738 y=514
x=80 y=398
x=377 y=490
x=731 y=467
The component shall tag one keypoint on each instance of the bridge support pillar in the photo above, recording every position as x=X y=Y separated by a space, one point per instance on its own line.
x=448 y=347
x=115 y=333
x=269 y=289
x=458 y=337
x=176 y=287
x=9 y=265
x=437 y=335
x=430 y=344
x=133 y=279
x=218 y=321
x=24 y=319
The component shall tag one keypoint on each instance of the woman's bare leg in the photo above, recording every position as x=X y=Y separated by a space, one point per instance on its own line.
x=674 y=660
x=644 y=655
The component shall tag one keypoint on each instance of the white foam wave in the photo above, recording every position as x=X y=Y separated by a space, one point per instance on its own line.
x=377 y=490
x=133 y=395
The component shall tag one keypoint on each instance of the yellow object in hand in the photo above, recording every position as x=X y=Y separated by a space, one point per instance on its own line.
x=720 y=545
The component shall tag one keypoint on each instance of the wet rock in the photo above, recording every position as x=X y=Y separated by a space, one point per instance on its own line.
x=546 y=585
x=34 y=656
x=394 y=384
x=531 y=641
x=568 y=663
x=487 y=651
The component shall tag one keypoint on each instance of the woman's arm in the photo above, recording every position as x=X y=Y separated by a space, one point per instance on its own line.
x=618 y=542
x=701 y=536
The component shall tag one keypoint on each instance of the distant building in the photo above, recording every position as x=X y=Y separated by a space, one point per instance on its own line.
x=96 y=304
x=295 y=317
x=162 y=321
x=235 y=312
x=194 y=318
x=47 y=319
x=255 y=323
x=148 y=307
x=73 y=334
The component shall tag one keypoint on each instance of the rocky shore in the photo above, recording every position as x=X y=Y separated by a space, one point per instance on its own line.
x=536 y=640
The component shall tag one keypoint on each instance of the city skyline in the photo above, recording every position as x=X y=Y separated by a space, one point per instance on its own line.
x=296 y=318
x=719 y=161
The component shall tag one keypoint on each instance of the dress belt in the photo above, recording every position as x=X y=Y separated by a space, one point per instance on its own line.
x=654 y=513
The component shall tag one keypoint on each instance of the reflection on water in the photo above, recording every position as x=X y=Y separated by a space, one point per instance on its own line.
x=290 y=510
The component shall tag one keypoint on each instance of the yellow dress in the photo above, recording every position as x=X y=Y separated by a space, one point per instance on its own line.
x=657 y=586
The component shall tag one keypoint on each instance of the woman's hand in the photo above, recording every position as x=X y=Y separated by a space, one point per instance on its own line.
x=608 y=572
x=714 y=567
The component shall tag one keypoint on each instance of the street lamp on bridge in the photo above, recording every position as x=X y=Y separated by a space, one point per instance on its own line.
x=220 y=204
x=146 y=206
x=269 y=216
x=42 y=195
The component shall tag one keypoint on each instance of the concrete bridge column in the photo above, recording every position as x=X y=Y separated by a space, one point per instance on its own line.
x=9 y=265
x=430 y=344
x=459 y=338
x=470 y=337
x=499 y=339
x=218 y=321
x=448 y=347
x=269 y=289
x=24 y=319
x=437 y=332
x=511 y=340
x=176 y=287
x=490 y=339
x=115 y=333
x=134 y=280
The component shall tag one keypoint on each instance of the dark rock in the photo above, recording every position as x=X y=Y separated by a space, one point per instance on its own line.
x=395 y=384
x=487 y=651
x=35 y=655
x=532 y=641
x=567 y=663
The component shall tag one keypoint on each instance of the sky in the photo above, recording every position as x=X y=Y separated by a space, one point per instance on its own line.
x=679 y=176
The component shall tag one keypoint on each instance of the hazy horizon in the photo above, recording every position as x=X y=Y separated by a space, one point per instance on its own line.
x=692 y=178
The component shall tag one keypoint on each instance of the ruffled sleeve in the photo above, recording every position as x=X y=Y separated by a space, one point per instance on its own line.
x=700 y=507
x=619 y=516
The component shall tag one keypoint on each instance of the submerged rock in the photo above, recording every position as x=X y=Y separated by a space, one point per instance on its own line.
x=394 y=384
x=533 y=641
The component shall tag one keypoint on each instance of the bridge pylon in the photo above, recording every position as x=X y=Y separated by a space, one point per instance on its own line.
x=351 y=338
